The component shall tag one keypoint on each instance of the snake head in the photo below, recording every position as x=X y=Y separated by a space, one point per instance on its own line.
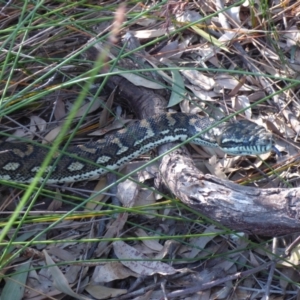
x=245 y=138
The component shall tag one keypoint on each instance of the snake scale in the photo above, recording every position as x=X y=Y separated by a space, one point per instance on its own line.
x=20 y=162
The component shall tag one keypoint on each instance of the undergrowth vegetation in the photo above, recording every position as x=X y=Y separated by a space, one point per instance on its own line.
x=120 y=237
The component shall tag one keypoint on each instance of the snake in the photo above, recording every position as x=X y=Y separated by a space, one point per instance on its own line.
x=20 y=161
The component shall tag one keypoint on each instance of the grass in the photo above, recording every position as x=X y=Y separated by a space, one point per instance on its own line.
x=45 y=74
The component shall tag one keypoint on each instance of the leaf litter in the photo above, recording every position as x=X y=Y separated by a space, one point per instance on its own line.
x=201 y=55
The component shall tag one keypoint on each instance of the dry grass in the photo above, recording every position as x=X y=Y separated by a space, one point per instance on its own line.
x=244 y=59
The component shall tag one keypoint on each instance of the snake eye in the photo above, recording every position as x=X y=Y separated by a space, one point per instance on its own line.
x=245 y=138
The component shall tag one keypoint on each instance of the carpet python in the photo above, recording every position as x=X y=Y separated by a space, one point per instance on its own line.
x=20 y=162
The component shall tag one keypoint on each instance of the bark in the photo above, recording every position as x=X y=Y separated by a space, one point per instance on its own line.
x=269 y=212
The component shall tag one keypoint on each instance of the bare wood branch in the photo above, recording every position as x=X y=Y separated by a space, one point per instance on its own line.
x=269 y=212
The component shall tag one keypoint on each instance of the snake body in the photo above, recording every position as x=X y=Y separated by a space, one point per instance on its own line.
x=20 y=162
